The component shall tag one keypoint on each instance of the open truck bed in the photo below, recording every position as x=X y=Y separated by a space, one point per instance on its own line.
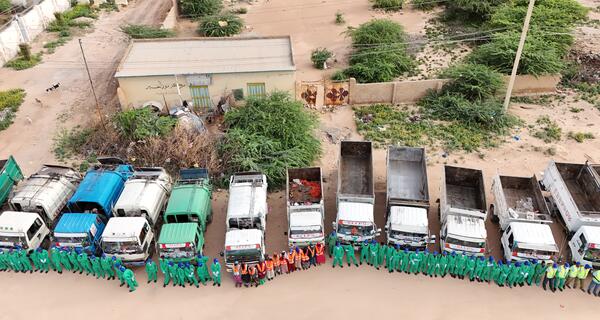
x=356 y=168
x=582 y=186
x=464 y=188
x=407 y=176
x=519 y=199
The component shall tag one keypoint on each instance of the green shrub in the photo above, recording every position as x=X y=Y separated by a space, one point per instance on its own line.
x=388 y=5
x=473 y=81
x=547 y=130
x=80 y=10
x=5 y=5
x=200 y=8
x=137 y=124
x=67 y=143
x=424 y=5
x=10 y=101
x=339 y=18
x=538 y=56
x=52 y=45
x=139 y=31
x=25 y=59
x=581 y=136
x=339 y=76
x=319 y=56
x=548 y=15
x=223 y=25
x=269 y=135
x=472 y=10
x=240 y=11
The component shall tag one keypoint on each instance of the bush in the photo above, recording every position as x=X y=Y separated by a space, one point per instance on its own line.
x=223 y=25
x=25 y=59
x=379 y=52
x=388 y=5
x=581 y=136
x=473 y=81
x=138 y=31
x=239 y=11
x=137 y=124
x=10 y=101
x=339 y=75
x=472 y=10
x=538 y=56
x=200 y=8
x=319 y=56
x=80 y=10
x=269 y=135
x=5 y=5
x=424 y=5
x=548 y=130
x=339 y=18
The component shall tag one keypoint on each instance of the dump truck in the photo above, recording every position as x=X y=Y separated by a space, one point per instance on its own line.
x=101 y=187
x=128 y=238
x=80 y=231
x=407 y=223
x=521 y=210
x=46 y=192
x=355 y=221
x=247 y=211
x=25 y=230
x=305 y=208
x=10 y=175
x=145 y=195
x=575 y=196
x=188 y=211
x=463 y=211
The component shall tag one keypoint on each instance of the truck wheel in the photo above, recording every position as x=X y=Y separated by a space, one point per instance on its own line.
x=46 y=243
x=151 y=250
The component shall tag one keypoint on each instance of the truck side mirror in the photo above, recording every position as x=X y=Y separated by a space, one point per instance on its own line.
x=221 y=253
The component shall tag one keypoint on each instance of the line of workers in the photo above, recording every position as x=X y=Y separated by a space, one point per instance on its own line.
x=504 y=273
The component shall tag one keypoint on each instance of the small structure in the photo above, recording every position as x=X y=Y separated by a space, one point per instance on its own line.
x=201 y=71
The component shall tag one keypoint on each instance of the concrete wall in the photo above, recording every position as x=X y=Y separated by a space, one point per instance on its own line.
x=171 y=18
x=135 y=91
x=26 y=25
x=530 y=85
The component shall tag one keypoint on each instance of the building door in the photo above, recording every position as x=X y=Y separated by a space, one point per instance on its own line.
x=256 y=89
x=201 y=98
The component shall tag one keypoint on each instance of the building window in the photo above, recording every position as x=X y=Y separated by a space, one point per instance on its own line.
x=256 y=89
x=201 y=98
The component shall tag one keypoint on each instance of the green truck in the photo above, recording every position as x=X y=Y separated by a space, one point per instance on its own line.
x=10 y=174
x=188 y=212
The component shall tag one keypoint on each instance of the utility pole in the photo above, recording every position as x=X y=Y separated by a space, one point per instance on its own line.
x=91 y=84
x=511 y=82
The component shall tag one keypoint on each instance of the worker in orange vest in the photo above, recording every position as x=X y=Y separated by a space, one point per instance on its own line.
x=262 y=271
x=245 y=275
x=283 y=263
x=305 y=258
x=291 y=258
x=253 y=275
x=312 y=258
x=270 y=269
x=320 y=253
x=298 y=259
x=237 y=275
x=276 y=266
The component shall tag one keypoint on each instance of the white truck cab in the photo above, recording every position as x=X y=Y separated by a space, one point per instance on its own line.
x=129 y=238
x=305 y=228
x=26 y=230
x=247 y=246
x=355 y=222
x=145 y=194
x=46 y=192
x=465 y=234
x=408 y=227
x=527 y=241
x=585 y=246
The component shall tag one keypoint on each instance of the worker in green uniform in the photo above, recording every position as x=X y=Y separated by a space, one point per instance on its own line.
x=495 y=272
x=540 y=271
x=180 y=274
x=461 y=264
x=561 y=276
x=170 y=274
x=331 y=241
x=216 y=272
x=470 y=268
x=338 y=255
x=513 y=274
x=24 y=260
x=190 y=274
x=64 y=259
x=202 y=273
x=373 y=251
x=364 y=252
x=107 y=267
x=43 y=260
x=390 y=251
x=34 y=260
x=432 y=260
x=350 y=257
x=164 y=268
x=96 y=268
x=152 y=270
x=17 y=261
x=442 y=265
x=116 y=261
x=84 y=263
x=119 y=274
x=397 y=258
x=405 y=262
x=129 y=278
x=503 y=275
x=381 y=249
x=205 y=261
x=55 y=260
x=525 y=270
x=572 y=274
x=3 y=260
x=479 y=267
x=532 y=274
x=451 y=263
x=490 y=266
x=423 y=261
x=173 y=273
x=73 y=255
x=415 y=262
x=13 y=261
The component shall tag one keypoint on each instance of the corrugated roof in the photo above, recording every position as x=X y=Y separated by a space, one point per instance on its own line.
x=206 y=56
x=75 y=223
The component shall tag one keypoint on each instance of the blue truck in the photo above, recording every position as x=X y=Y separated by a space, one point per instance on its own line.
x=101 y=187
x=80 y=230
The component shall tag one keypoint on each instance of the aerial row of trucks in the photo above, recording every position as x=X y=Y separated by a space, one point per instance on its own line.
x=131 y=213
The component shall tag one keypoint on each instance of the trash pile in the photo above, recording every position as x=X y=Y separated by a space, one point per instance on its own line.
x=305 y=192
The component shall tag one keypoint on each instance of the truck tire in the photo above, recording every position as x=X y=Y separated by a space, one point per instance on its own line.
x=151 y=250
x=493 y=216
x=46 y=243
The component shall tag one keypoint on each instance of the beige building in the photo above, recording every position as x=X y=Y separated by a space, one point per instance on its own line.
x=165 y=72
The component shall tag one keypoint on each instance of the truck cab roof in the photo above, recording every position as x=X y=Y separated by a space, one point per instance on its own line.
x=466 y=226
x=592 y=234
x=14 y=221
x=535 y=236
x=305 y=218
x=174 y=233
x=75 y=223
x=124 y=227
x=243 y=238
x=409 y=219
x=143 y=188
x=355 y=211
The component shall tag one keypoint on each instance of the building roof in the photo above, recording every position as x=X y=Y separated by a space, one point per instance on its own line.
x=410 y=219
x=178 y=233
x=75 y=223
x=236 y=239
x=123 y=227
x=13 y=221
x=181 y=56
x=465 y=226
x=533 y=235
x=355 y=212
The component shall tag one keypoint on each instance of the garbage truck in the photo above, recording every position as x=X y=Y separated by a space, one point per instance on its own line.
x=10 y=175
x=145 y=194
x=575 y=196
x=80 y=231
x=247 y=211
x=355 y=221
x=101 y=187
x=188 y=211
x=463 y=211
x=25 y=230
x=305 y=207
x=407 y=223
x=46 y=192
x=128 y=238
x=521 y=210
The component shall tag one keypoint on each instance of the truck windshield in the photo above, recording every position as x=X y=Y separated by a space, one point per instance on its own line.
x=82 y=240
x=465 y=243
x=402 y=234
x=305 y=231
x=352 y=230
x=592 y=254
x=12 y=241
x=535 y=253
x=121 y=247
x=181 y=252
x=246 y=255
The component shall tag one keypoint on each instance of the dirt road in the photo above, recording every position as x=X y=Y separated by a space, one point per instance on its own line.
x=29 y=139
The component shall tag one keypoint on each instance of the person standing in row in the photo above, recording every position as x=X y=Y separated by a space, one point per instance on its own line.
x=270 y=269
x=338 y=255
x=550 y=277
x=331 y=241
x=320 y=253
x=572 y=274
x=216 y=272
x=276 y=265
x=594 y=285
x=151 y=271
x=349 y=252
x=283 y=263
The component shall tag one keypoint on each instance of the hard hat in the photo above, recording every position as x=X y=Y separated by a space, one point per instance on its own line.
x=554 y=265
x=491 y=258
x=215 y=260
x=122 y=268
x=397 y=246
x=435 y=253
x=453 y=253
x=587 y=266
x=418 y=251
x=200 y=264
x=426 y=250
x=577 y=263
x=567 y=265
x=114 y=258
x=526 y=263
x=500 y=263
x=534 y=261
x=405 y=250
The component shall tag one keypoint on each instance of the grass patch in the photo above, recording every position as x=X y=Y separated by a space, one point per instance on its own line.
x=10 y=101
x=589 y=92
x=139 y=31
x=339 y=18
x=547 y=130
x=581 y=136
x=68 y=141
x=575 y=109
x=339 y=76
x=424 y=5
x=223 y=25
x=22 y=63
x=200 y=8
x=388 y=5
x=138 y=124
x=240 y=10
x=319 y=56
x=543 y=100
x=52 y=45
x=109 y=6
